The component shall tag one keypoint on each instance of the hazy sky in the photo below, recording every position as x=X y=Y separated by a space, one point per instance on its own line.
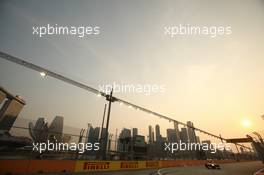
x=214 y=82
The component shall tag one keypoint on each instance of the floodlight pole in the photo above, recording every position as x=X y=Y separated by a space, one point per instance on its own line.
x=111 y=99
x=101 y=135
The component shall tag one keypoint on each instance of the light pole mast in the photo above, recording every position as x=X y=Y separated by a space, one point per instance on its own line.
x=102 y=134
x=110 y=99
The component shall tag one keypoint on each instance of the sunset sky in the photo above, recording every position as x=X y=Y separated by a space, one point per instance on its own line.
x=218 y=83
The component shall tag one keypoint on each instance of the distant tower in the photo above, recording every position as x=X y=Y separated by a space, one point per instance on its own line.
x=96 y=134
x=177 y=132
x=198 y=139
x=93 y=134
x=134 y=132
x=103 y=130
x=10 y=109
x=89 y=126
x=171 y=135
x=39 y=131
x=158 y=136
x=184 y=135
x=125 y=133
x=151 y=134
x=56 y=128
x=123 y=139
x=191 y=132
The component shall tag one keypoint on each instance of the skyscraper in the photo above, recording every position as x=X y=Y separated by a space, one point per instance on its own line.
x=151 y=134
x=89 y=129
x=96 y=134
x=40 y=131
x=184 y=135
x=124 y=137
x=177 y=132
x=92 y=134
x=56 y=128
x=10 y=109
x=125 y=133
x=134 y=132
x=198 y=139
x=158 y=136
x=103 y=132
x=171 y=135
x=191 y=132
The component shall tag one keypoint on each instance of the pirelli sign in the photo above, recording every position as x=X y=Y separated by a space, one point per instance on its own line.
x=152 y=164
x=83 y=166
x=96 y=165
x=86 y=166
x=129 y=165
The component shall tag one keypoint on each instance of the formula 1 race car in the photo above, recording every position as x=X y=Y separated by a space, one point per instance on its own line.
x=211 y=165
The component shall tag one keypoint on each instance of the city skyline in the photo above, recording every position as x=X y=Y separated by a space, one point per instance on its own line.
x=225 y=84
x=131 y=87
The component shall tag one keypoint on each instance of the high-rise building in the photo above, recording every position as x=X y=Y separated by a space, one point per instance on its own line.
x=103 y=132
x=10 y=109
x=171 y=135
x=40 y=131
x=88 y=130
x=184 y=135
x=134 y=132
x=139 y=140
x=56 y=128
x=177 y=132
x=151 y=134
x=96 y=134
x=92 y=134
x=158 y=136
x=124 y=138
x=125 y=133
x=198 y=139
x=191 y=132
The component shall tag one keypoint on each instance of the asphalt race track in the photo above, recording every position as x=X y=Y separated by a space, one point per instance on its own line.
x=244 y=168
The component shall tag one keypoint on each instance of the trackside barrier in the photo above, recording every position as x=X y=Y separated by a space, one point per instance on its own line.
x=57 y=166
x=13 y=166
x=85 y=166
x=36 y=166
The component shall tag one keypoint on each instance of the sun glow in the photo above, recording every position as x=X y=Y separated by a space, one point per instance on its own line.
x=246 y=123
